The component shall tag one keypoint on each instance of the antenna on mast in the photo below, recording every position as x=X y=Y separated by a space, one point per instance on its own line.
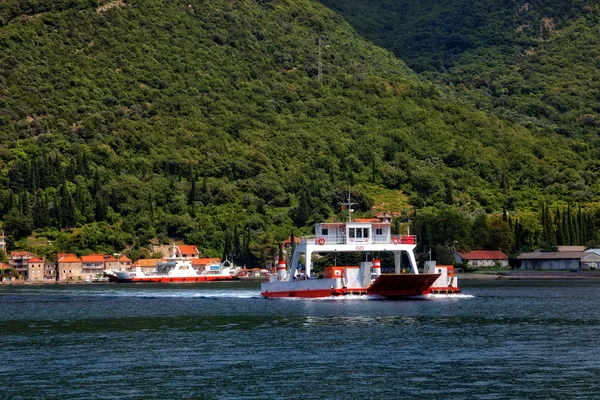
x=349 y=203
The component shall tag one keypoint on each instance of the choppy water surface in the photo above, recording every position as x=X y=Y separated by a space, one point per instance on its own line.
x=502 y=340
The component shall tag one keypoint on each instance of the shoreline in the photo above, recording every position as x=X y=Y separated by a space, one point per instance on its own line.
x=530 y=276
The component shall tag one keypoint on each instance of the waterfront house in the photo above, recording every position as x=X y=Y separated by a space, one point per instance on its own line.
x=92 y=266
x=18 y=260
x=201 y=264
x=185 y=252
x=146 y=265
x=482 y=258
x=559 y=261
x=2 y=241
x=49 y=271
x=112 y=264
x=35 y=269
x=69 y=268
x=125 y=262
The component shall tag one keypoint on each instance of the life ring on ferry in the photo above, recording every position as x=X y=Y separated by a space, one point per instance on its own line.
x=395 y=240
x=321 y=241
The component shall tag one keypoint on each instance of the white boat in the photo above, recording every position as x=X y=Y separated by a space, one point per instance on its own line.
x=176 y=270
x=372 y=236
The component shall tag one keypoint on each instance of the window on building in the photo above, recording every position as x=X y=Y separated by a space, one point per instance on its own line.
x=378 y=231
x=325 y=231
x=352 y=233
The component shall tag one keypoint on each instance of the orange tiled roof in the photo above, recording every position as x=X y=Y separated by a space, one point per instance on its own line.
x=63 y=255
x=36 y=260
x=110 y=259
x=124 y=258
x=20 y=254
x=147 y=262
x=95 y=258
x=483 y=255
x=70 y=258
x=187 y=249
x=4 y=266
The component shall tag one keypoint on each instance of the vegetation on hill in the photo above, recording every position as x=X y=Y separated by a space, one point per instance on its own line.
x=231 y=124
x=530 y=62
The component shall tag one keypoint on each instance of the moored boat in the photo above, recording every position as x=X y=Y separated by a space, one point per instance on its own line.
x=176 y=270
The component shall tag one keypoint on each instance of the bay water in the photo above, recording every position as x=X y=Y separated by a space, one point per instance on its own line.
x=500 y=339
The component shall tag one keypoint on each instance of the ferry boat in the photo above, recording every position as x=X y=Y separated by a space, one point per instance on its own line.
x=374 y=237
x=176 y=270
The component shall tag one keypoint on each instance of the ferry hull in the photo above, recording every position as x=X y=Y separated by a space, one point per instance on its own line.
x=315 y=293
x=400 y=286
x=180 y=279
x=127 y=278
x=391 y=287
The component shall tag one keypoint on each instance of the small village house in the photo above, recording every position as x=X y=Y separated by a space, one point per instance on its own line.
x=112 y=264
x=185 y=252
x=2 y=241
x=125 y=262
x=146 y=265
x=92 y=266
x=202 y=264
x=50 y=271
x=69 y=268
x=19 y=261
x=35 y=269
x=482 y=258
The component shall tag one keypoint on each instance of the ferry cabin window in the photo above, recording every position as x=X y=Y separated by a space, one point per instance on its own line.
x=378 y=231
x=358 y=233
x=324 y=231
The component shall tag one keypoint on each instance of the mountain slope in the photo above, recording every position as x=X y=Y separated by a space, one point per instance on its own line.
x=531 y=62
x=210 y=122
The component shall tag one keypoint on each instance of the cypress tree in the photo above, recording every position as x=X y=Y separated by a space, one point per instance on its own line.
x=560 y=234
x=39 y=212
x=565 y=225
x=66 y=208
x=192 y=196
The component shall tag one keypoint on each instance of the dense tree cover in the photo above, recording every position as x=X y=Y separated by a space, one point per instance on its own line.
x=231 y=124
x=531 y=62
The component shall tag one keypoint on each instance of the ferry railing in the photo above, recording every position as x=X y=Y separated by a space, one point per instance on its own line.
x=377 y=239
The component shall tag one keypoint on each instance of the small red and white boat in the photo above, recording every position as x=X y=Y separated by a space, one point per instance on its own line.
x=374 y=237
x=176 y=270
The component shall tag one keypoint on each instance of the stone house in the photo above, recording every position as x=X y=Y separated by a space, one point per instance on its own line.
x=35 y=269
x=125 y=262
x=50 y=271
x=92 y=266
x=147 y=265
x=69 y=268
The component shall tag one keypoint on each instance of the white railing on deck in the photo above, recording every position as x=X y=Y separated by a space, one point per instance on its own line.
x=377 y=239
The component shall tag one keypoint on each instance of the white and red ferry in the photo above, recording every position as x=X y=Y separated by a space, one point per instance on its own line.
x=373 y=236
x=176 y=270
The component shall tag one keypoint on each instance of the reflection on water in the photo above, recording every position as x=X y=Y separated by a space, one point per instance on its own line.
x=499 y=340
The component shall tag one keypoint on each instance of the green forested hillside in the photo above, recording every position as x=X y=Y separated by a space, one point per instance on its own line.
x=530 y=62
x=229 y=123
